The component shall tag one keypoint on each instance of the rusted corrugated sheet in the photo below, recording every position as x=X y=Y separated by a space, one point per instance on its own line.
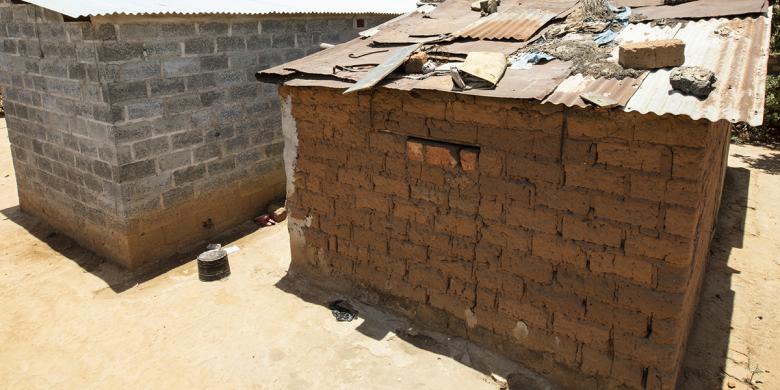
x=701 y=9
x=533 y=83
x=463 y=48
x=518 y=23
x=354 y=54
x=737 y=51
x=447 y=18
x=568 y=92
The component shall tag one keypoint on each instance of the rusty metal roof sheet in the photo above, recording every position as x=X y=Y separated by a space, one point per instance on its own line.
x=568 y=92
x=735 y=48
x=464 y=47
x=702 y=9
x=355 y=55
x=518 y=23
x=79 y=8
x=533 y=83
x=737 y=51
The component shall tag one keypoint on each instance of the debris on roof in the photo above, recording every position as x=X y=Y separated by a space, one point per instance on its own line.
x=564 y=52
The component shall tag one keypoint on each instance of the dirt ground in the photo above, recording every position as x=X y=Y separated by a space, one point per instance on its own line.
x=71 y=320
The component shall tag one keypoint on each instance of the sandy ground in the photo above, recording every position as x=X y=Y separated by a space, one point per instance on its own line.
x=735 y=341
x=70 y=320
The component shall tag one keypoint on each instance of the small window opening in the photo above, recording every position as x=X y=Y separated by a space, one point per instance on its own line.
x=360 y=23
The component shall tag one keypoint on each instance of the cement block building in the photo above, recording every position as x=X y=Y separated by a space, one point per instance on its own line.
x=570 y=237
x=139 y=129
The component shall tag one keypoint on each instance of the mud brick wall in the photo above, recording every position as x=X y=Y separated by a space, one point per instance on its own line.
x=143 y=136
x=571 y=240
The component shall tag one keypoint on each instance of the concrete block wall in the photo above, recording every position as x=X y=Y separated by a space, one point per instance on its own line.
x=59 y=123
x=571 y=240
x=142 y=136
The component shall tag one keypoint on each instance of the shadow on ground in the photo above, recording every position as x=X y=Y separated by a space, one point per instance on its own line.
x=708 y=345
x=118 y=278
x=378 y=324
x=767 y=162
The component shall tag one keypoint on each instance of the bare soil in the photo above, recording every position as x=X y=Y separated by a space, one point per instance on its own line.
x=71 y=320
x=68 y=319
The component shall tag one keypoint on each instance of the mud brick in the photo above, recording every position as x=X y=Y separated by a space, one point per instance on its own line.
x=539 y=219
x=535 y=171
x=683 y=193
x=681 y=221
x=491 y=162
x=572 y=200
x=657 y=303
x=554 y=248
x=648 y=187
x=408 y=250
x=595 y=231
x=596 y=178
x=455 y=224
x=530 y=314
x=372 y=200
x=414 y=150
x=673 y=279
x=635 y=212
x=666 y=331
x=413 y=212
x=645 y=351
x=687 y=163
x=624 y=320
x=652 y=54
x=450 y=266
x=530 y=268
x=355 y=178
x=441 y=155
x=454 y=306
x=628 y=372
x=579 y=152
x=452 y=132
x=462 y=290
x=506 y=236
x=673 y=250
x=386 y=142
x=392 y=187
x=469 y=159
x=595 y=362
x=422 y=235
x=588 y=333
x=649 y=158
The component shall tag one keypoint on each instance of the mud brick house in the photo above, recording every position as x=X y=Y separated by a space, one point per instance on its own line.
x=138 y=128
x=568 y=235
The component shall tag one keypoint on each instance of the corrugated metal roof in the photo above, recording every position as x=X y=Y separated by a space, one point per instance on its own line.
x=516 y=84
x=701 y=9
x=518 y=23
x=77 y=8
x=737 y=54
x=569 y=91
x=736 y=49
